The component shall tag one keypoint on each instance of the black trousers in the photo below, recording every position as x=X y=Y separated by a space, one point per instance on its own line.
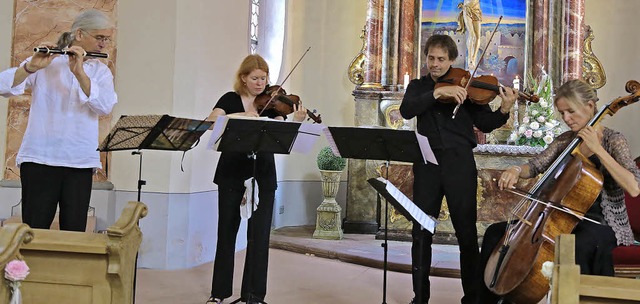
x=44 y=187
x=455 y=178
x=594 y=244
x=254 y=279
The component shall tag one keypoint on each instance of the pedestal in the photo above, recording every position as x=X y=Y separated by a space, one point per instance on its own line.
x=328 y=218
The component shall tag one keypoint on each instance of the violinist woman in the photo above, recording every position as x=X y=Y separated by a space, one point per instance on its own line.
x=452 y=141
x=609 y=151
x=232 y=171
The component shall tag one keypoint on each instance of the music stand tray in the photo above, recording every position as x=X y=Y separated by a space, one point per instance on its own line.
x=380 y=144
x=255 y=135
x=402 y=203
x=155 y=132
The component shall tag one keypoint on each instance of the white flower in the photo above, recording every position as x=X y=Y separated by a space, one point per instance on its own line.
x=548 y=139
x=550 y=124
x=534 y=125
x=543 y=103
x=521 y=129
x=547 y=269
x=525 y=119
x=513 y=137
x=534 y=112
x=537 y=134
x=540 y=119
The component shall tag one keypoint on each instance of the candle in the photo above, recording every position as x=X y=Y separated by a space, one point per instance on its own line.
x=406 y=80
x=516 y=83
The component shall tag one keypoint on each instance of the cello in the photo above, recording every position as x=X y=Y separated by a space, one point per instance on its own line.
x=556 y=203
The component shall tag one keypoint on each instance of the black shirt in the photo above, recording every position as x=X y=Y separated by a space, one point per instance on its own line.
x=434 y=117
x=235 y=167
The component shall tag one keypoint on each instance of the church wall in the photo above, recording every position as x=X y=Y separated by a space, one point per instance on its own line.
x=331 y=28
x=617 y=49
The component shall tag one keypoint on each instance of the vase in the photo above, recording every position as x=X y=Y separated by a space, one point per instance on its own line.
x=328 y=214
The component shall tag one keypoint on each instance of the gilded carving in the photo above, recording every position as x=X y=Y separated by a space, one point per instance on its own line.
x=356 y=67
x=592 y=69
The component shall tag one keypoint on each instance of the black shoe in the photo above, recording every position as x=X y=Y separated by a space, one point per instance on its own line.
x=413 y=301
x=256 y=302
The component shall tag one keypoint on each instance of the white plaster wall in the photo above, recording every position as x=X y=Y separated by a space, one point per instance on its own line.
x=612 y=21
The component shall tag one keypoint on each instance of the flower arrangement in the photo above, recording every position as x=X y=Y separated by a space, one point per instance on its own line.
x=15 y=272
x=329 y=161
x=539 y=125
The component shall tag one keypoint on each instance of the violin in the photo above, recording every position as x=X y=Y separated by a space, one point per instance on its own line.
x=482 y=89
x=276 y=98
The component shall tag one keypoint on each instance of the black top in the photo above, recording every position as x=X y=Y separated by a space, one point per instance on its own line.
x=434 y=117
x=235 y=167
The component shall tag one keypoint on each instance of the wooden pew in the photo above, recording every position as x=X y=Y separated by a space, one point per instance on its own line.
x=79 y=267
x=570 y=287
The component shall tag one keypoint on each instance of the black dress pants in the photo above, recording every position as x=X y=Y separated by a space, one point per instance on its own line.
x=254 y=279
x=455 y=178
x=44 y=187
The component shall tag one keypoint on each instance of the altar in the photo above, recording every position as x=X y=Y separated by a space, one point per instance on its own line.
x=392 y=53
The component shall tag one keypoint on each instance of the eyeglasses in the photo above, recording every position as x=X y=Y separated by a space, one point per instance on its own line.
x=100 y=38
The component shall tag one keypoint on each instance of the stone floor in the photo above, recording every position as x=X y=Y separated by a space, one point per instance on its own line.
x=366 y=250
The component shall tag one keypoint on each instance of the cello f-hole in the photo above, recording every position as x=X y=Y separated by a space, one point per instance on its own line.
x=537 y=228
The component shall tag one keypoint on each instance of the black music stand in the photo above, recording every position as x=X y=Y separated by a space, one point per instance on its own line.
x=153 y=132
x=252 y=136
x=375 y=143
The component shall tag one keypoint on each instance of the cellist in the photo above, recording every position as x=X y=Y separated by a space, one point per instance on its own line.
x=609 y=151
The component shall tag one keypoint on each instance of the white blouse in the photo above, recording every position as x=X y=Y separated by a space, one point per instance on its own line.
x=63 y=121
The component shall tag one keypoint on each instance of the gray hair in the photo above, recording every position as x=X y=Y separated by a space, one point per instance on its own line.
x=88 y=20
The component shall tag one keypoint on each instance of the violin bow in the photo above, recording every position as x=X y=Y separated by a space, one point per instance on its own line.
x=285 y=80
x=455 y=111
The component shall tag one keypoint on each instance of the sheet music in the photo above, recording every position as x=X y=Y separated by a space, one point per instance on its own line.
x=427 y=222
x=332 y=142
x=308 y=134
x=218 y=129
x=425 y=147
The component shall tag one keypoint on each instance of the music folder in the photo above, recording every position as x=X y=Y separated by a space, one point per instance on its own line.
x=402 y=203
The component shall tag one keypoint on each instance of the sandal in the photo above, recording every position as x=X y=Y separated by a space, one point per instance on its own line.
x=213 y=300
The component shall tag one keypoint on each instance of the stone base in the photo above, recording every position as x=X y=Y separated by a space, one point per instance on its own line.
x=328 y=225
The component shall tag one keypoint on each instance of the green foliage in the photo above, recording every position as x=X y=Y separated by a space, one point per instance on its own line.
x=329 y=161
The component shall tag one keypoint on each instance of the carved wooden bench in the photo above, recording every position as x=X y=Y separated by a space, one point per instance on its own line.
x=570 y=287
x=78 y=267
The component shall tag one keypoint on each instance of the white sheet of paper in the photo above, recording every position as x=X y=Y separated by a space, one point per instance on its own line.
x=308 y=134
x=425 y=147
x=426 y=221
x=332 y=142
x=216 y=133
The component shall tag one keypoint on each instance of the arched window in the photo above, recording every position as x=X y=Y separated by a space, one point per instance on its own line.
x=266 y=33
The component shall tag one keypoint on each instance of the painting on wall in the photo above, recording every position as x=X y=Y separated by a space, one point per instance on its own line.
x=471 y=23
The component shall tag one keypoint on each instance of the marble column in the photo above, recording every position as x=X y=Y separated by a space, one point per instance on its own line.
x=373 y=42
x=407 y=40
x=540 y=38
x=573 y=38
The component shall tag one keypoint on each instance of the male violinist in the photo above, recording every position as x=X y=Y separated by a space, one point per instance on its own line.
x=452 y=140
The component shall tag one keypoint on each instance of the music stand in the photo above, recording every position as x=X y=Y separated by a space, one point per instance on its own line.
x=375 y=143
x=252 y=136
x=154 y=132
